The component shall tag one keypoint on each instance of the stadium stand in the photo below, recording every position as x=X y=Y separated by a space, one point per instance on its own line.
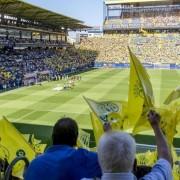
x=143 y=14
x=147 y=20
x=28 y=66
x=150 y=28
x=152 y=48
x=35 y=48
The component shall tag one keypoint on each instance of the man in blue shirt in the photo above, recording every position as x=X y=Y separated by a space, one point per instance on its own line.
x=62 y=161
x=116 y=153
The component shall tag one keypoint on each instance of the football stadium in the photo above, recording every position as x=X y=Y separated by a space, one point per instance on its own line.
x=117 y=78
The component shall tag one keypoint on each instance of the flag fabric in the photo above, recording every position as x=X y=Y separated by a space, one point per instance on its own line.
x=141 y=100
x=36 y=144
x=13 y=144
x=142 y=123
x=175 y=108
x=168 y=124
x=148 y=158
x=107 y=111
x=175 y=94
x=26 y=137
x=97 y=127
x=113 y=112
x=83 y=139
x=140 y=97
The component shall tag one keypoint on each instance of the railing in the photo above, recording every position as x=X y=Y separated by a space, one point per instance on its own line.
x=127 y=65
x=138 y=26
x=146 y=8
x=145 y=147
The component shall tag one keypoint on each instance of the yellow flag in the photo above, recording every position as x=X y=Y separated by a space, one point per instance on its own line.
x=140 y=98
x=148 y=158
x=175 y=108
x=113 y=112
x=168 y=123
x=175 y=94
x=107 y=111
x=142 y=124
x=144 y=32
x=36 y=144
x=13 y=144
x=83 y=139
x=97 y=127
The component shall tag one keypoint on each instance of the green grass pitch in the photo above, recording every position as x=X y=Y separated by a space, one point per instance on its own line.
x=40 y=105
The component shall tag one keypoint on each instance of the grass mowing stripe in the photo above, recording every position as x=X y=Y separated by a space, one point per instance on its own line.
x=166 y=88
x=64 y=106
x=46 y=105
x=55 y=97
x=28 y=107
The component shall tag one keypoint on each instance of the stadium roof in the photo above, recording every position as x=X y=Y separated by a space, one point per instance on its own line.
x=133 y=1
x=19 y=8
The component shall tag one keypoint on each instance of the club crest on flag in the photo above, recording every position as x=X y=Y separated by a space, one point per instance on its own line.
x=108 y=107
x=107 y=111
x=138 y=91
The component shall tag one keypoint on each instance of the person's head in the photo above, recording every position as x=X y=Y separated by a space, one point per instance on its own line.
x=116 y=152
x=65 y=132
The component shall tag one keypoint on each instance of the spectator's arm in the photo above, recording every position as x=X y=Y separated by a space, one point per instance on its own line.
x=107 y=127
x=162 y=146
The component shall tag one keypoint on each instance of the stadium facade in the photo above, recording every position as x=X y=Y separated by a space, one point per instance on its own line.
x=133 y=15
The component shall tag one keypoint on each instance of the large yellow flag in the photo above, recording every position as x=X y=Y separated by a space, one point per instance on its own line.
x=13 y=144
x=140 y=98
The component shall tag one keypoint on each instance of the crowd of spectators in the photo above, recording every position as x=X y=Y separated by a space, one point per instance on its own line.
x=145 y=20
x=70 y=60
x=18 y=67
x=12 y=41
x=115 y=158
x=149 y=47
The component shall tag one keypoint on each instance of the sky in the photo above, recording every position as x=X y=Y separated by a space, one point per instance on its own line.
x=89 y=11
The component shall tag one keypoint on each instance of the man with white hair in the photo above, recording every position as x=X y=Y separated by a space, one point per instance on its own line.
x=116 y=154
